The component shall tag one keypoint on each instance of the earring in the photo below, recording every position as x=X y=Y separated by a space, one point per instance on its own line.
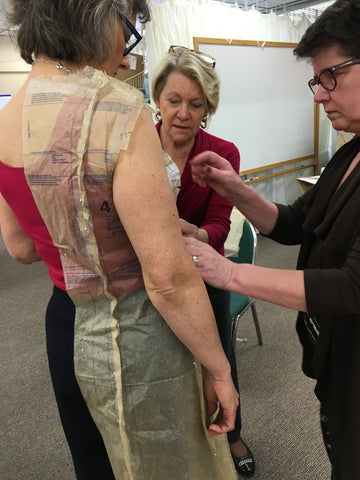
x=204 y=120
x=157 y=115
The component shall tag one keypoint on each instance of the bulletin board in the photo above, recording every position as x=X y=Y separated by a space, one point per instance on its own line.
x=266 y=107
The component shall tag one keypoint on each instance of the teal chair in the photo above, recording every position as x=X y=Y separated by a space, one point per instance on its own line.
x=239 y=304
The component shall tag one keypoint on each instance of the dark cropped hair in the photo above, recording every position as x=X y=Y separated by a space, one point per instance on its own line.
x=190 y=65
x=338 y=25
x=72 y=30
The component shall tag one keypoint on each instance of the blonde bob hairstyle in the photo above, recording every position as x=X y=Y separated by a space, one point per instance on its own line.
x=191 y=65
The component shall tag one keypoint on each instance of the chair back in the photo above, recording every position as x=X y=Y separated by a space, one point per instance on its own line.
x=247 y=245
x=239 y=304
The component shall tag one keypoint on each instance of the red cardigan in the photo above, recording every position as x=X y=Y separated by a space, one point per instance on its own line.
x=202 y=206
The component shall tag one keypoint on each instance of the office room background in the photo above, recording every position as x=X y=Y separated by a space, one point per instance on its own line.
x=184 y=22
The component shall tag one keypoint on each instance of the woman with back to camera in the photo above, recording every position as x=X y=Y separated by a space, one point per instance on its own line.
x=325 y=288
x=186 y=92
x=79 y=163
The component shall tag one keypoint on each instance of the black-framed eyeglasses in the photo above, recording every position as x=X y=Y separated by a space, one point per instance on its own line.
x=327 y=78
x=134 y=38
x=207 y=58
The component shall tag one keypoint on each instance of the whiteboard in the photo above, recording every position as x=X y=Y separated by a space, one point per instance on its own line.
x=266 y=107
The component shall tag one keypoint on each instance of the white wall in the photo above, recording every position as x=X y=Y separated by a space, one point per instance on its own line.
x=13 y=69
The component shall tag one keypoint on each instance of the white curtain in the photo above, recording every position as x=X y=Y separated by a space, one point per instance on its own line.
x=176 y=22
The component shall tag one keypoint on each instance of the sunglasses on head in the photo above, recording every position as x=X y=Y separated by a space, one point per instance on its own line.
x=207 y=58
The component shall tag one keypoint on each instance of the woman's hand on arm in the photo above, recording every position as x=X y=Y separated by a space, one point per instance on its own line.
x=19 y=245
x=190 y=230
x=210 y=168
x=147 y=210
x=281 y=287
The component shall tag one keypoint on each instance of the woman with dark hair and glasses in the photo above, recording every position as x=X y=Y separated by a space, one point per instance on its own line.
x=325 y=288
x=80 y=161
x=186 y=92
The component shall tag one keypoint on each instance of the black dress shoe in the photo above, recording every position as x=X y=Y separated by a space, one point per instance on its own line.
x=245 y=465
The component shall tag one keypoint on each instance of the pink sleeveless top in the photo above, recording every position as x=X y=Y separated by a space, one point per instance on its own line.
x=16 y=192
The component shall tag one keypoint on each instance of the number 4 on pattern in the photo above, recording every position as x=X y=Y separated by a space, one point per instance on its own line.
x=105 y=207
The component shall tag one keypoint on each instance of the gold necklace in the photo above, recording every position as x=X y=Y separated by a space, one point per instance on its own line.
x=58 y=65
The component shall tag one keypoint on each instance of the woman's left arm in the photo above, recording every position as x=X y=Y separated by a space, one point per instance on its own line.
x=19 y=245
x=319 y=291
x=282 y=287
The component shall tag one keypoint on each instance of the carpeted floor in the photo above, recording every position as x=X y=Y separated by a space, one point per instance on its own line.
x=279 y=410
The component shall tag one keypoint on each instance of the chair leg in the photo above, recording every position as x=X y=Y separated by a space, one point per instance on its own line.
x=235 y=321
x=256 y=322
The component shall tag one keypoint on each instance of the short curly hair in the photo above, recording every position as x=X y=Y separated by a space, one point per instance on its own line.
x=191 y=65
x=70 y=30
x=338 y=25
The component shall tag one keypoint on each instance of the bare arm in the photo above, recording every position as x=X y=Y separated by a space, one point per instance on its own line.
x=194 y=231
x=210 y=168
x=282 y=287
x=18 y=244
x=146 y=206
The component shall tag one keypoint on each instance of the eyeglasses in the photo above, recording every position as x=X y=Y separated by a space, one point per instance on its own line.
x=207 y=58
x=327 y=78
x=134 y=38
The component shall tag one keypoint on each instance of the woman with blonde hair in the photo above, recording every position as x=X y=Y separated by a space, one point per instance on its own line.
x=186 y=90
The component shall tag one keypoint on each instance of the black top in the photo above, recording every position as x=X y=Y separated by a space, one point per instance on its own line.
x=326 y=221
